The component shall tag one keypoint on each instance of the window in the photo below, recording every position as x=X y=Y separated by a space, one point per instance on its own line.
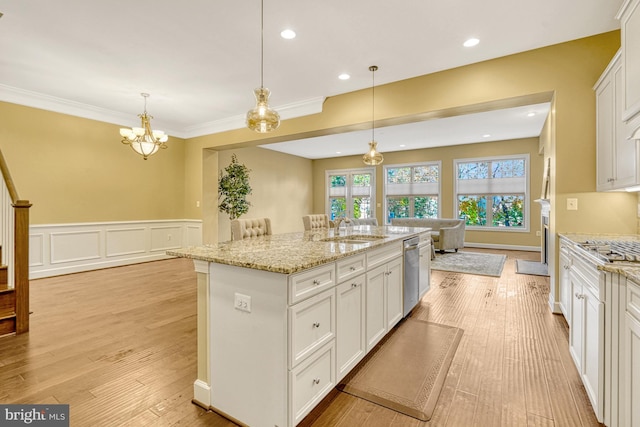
x=412 y=191
x=351 y=193
x=493 y=193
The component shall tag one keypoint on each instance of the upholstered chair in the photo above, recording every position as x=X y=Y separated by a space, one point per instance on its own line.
x=364 y=221
x=311 y=222
x=250 y=227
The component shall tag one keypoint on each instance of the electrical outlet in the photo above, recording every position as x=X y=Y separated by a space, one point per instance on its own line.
x=242 y=302
x=538 y=233
x=169 y=237
x=197 y=203
x=572 y=204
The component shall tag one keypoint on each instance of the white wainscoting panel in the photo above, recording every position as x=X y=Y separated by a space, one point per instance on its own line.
x=56 y=249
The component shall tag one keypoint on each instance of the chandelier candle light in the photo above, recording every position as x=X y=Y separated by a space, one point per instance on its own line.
x=143 y=140
x=373 y=157
x=262 y=118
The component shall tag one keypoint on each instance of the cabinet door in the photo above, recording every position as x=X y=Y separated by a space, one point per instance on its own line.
x=593 y=353
x=625 y=159
x=631 y=381
x=630 y=34
x=576 y=327
x=565 y=285
x=375 y=319
x=394 y=292
x=425 y=270
x=350 y=334
x=605 y=128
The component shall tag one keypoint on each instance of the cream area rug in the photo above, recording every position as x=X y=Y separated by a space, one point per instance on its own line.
x=406 y=370
x=470 y=263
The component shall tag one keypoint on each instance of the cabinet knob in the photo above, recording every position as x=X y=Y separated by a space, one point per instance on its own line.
x=316 y=380
x=352 y=268
x=579 y=296
x=354 y=285
x=316 y=324
x=316 y=282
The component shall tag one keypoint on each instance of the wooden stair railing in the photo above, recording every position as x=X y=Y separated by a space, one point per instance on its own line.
x=14 y=288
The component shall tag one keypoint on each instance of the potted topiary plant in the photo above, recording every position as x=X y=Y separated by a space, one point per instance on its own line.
x=233 y=188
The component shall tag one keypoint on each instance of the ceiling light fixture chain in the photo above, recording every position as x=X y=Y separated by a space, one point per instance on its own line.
x=373 y=157
x=262 y=118
x=143 y=140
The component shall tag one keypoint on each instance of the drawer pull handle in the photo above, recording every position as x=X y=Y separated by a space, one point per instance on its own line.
x=354 y=285
x=352 y=268
x=316 y=282
x=579 y=296
x=316 y=380
x=316 y=324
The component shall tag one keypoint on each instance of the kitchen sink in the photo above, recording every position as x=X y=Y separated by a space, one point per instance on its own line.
x=354 y=239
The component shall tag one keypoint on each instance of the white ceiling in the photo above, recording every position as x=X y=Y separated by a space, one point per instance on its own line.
x=200 y=59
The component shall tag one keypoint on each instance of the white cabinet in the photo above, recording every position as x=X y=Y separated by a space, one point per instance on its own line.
x=564 y=280
x=617 y=157
x=394 y=292
x=350 y=342
x=586 y=332
x=629 y=16
x=375 y=321
x=384 y=292
x=630 y=378
x=425 y=268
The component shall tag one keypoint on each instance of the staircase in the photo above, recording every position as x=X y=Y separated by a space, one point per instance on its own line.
x=7 y=304
x=14 y=257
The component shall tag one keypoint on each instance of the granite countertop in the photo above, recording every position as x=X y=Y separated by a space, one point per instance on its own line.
x=629 y=270
x=292 y=252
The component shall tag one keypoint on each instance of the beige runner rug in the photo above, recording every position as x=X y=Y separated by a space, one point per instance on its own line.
x=406 y=370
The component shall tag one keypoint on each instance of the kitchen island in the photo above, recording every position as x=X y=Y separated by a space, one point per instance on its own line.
x=282 y=318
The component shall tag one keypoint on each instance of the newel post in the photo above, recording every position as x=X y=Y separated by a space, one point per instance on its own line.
x=21 y=233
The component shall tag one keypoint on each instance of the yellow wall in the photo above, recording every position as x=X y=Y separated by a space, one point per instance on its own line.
x=447 y=155
x=76 y=170
x=281 y=188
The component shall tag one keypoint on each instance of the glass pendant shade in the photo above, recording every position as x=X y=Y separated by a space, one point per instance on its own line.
x=372 y=157
x=262 y=118
x=143 y=140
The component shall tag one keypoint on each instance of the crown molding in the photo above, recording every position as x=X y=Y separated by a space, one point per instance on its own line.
x=59 y=105
x=286 y=111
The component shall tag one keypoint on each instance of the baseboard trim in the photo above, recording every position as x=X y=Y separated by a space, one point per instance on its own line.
x=202 y=394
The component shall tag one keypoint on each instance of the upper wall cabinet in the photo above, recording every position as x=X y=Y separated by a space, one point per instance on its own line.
x=617 y=157
x=629 y=16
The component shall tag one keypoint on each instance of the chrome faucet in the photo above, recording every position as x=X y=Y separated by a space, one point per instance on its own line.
x=342 y=220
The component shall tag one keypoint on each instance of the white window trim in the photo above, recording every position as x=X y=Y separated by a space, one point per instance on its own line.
x=327 y=173
x=402 y=165
x=527 y=206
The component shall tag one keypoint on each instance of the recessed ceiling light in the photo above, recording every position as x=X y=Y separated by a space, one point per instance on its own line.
x=338 y=152
x=486 y=135
x=288 y=34
x=403 y=145
x=531 y=114
x=471 y=42
x=344 y=76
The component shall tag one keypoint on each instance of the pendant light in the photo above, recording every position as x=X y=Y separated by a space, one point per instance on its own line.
x=262 y=118
x=143 y=140
x=373 y=157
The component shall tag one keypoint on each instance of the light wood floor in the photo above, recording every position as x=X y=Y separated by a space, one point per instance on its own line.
x=119 y=346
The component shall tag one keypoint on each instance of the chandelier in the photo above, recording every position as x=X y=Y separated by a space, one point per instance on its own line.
x=143 y=140
x=372 y=157
x=262 y=118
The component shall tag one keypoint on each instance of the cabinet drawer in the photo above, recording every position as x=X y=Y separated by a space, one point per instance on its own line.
x=386 y=253
x=311 y=325
x=311 y=282
x=350 y=267
x=589 y=273
x=633 y=300
x=310 y=382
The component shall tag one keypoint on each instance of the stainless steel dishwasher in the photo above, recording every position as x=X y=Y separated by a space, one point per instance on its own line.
x=411 y=274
